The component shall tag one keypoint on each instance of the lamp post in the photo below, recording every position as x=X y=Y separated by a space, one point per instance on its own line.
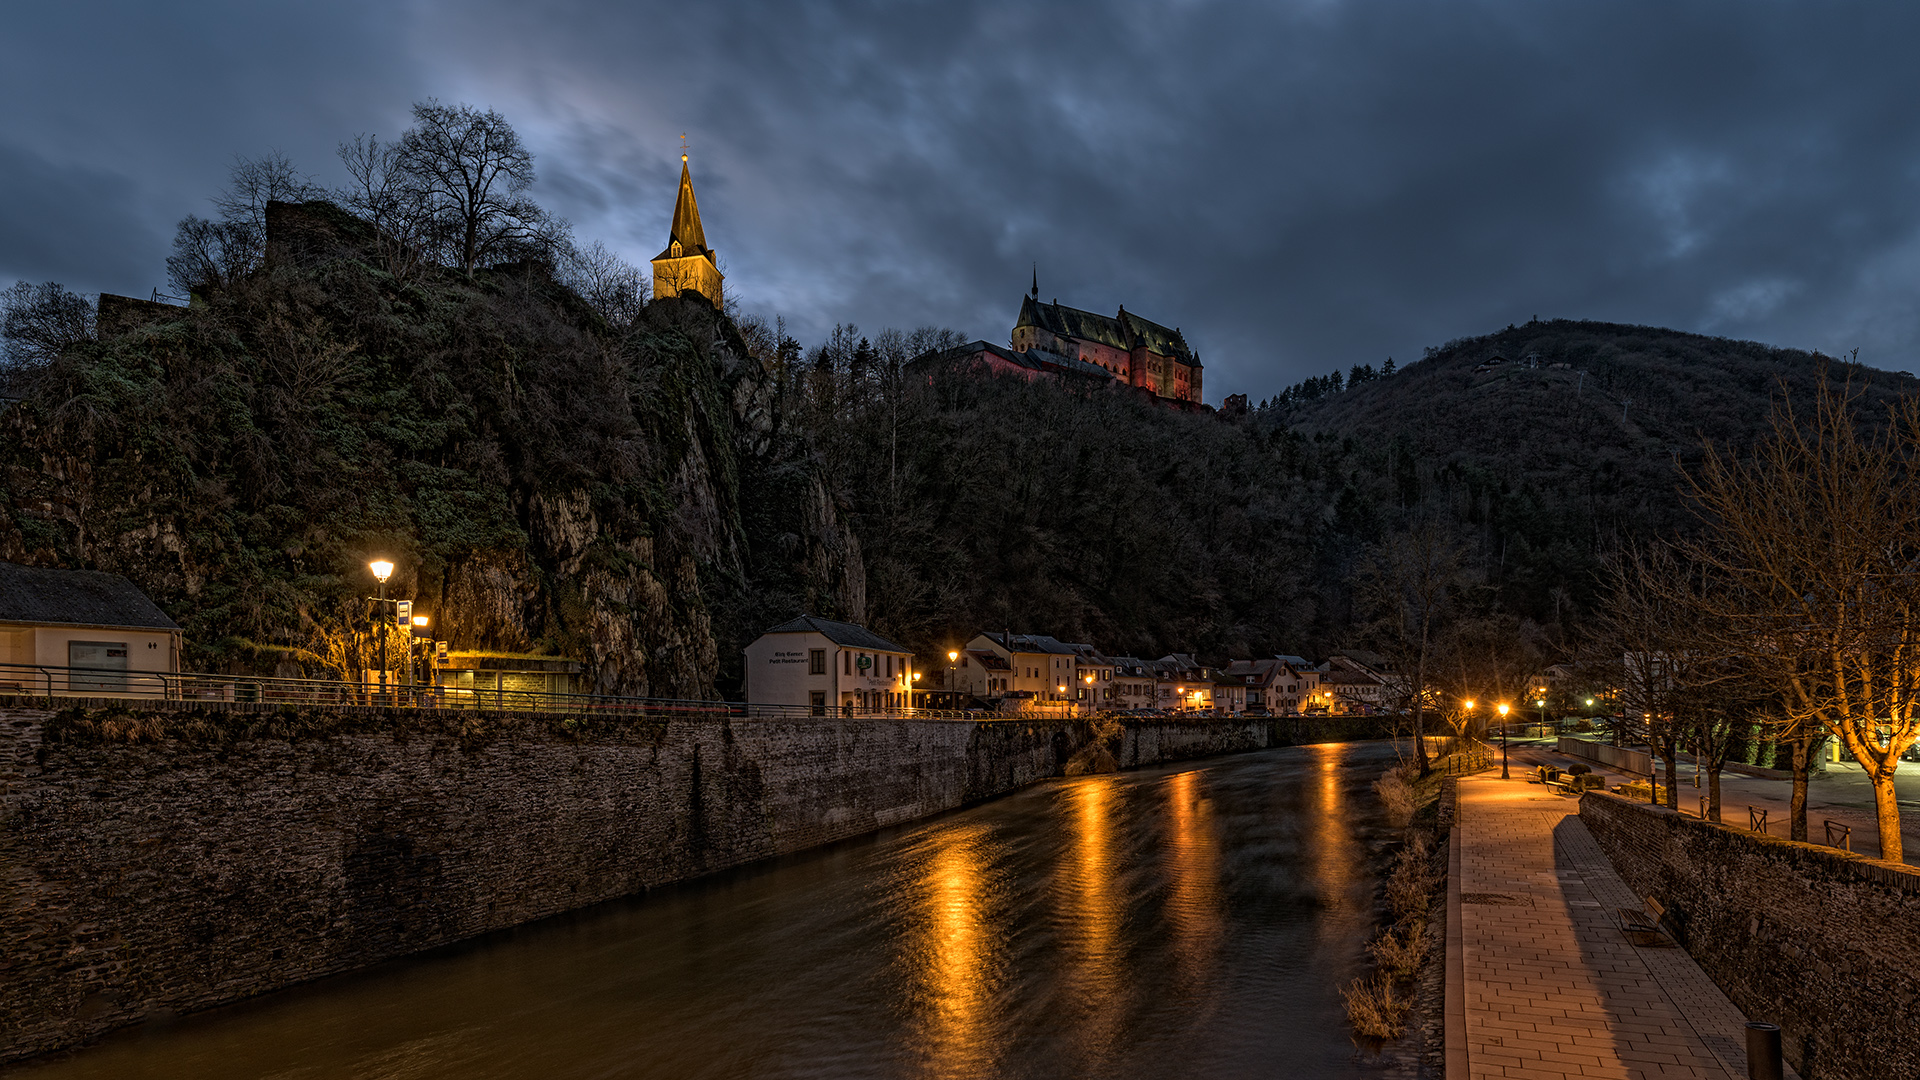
x=382 y=570
x=1503 y=741
x=420 y=623
x=1089 y=680
x=953 y=696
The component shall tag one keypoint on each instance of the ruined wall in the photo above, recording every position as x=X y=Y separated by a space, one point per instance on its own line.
x=174 y=859
x=1821 y=942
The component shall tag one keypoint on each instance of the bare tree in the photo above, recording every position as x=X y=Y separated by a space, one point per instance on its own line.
x=381 y=193
x=1654 y=647
x=39 y=322
x=470 y=168
x=609 y=284
x=219 y=252
x=252 y=183
x=212 y=254
x=1814 y=534
x=1406 y=584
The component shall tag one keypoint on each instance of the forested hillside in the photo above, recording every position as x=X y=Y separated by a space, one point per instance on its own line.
x=559 y=466
x=546 y=481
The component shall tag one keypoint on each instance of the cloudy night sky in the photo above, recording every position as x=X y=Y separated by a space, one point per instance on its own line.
x=1298 y=186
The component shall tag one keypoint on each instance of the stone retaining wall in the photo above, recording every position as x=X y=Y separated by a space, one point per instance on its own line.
x=1823 y=943
x=173 y=859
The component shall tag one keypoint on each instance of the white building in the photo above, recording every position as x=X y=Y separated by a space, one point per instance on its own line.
x=820 y=663
x=81 y=632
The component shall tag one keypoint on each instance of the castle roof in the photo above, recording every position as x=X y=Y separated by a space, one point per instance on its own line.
x=1125 y=331
x=686 y=221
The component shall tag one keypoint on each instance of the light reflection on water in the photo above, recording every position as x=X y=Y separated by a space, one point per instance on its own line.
x=1193 y=908
x=952 y=955
x=1336 y=858
x=1184 y=921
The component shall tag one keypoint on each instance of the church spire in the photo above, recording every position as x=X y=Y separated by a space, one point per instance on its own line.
x=1036 y=281
x=687 y=232
x=687 y=264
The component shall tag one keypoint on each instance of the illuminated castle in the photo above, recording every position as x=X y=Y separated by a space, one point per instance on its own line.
x=1127 y=347
x=688 y=265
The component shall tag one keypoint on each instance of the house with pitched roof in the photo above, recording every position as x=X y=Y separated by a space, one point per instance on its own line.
x=1135 y=685
x=823 y=664
x=81 y=632
x=1032 y=667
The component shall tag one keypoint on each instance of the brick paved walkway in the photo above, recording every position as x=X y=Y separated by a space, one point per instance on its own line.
x=1550 y=985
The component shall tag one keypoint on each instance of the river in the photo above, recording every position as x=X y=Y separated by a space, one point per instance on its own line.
x=1187 y=921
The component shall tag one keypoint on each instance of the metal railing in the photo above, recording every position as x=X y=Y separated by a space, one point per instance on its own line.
x=51 y=683
x=1466 y=757
x=1843 y=832
x=1757 y=819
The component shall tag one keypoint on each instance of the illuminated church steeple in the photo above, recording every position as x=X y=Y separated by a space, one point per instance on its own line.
x=687 y=265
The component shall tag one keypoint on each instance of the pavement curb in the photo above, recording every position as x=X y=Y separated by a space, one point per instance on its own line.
x=1456 y=984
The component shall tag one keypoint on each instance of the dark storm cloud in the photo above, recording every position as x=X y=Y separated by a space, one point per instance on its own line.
x=1298 y=187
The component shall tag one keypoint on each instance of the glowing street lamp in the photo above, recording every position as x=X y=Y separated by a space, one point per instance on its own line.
x=953 y=657
x=1503 y=741
x=382 y=570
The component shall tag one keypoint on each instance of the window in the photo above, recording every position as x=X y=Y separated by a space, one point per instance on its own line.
x=817 y=663
x=847 y=659
x=818 y=698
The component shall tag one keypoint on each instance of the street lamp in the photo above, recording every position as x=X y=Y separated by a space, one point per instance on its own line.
x=1089 y=680
x=420 y=623
x=1503 y=741
x=953 y=697
x=382 y=570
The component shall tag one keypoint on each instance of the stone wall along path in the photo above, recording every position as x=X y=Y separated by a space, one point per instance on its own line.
x=1552 y=989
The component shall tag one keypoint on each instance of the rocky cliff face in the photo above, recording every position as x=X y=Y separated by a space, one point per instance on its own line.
x=546 y=482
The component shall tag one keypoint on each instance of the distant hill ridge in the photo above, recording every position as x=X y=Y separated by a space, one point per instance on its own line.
x=1582 y=410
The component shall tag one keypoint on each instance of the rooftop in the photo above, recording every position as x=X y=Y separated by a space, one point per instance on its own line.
x=840 y=633
x=42 y=596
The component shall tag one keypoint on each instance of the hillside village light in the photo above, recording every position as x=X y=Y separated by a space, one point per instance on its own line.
x=382 y=570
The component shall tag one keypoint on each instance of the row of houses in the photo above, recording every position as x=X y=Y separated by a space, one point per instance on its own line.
x=86 y=632
x=825 y=664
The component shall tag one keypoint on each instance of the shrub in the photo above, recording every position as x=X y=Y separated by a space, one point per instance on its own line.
x=1372 y=1009
x=1400 y=952
x=1410 y=885
x=1396 y=795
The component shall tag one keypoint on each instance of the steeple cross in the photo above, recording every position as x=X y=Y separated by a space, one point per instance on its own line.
x=683 y=146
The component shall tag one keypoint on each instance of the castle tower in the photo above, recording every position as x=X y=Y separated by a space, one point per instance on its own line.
x=688 y=264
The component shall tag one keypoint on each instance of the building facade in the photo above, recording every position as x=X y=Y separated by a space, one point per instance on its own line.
x=1130 y=349
x=1033 y=667
x=828 y=666
x=687 y=265
x=82 y=632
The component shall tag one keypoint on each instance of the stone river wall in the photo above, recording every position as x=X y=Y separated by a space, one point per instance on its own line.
x=1814 y=939
x=167 y=860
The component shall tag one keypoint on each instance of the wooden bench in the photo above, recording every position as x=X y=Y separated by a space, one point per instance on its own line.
x=1642 y=926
